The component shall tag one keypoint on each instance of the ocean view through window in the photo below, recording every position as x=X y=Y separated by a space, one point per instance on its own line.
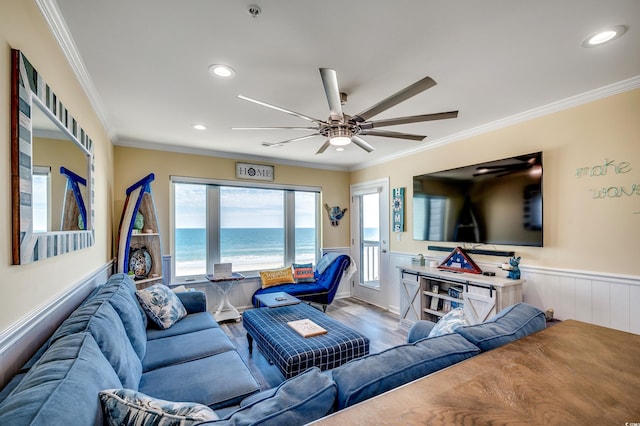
x=254 y=228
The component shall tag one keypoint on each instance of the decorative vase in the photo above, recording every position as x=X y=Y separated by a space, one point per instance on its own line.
x=138 y=223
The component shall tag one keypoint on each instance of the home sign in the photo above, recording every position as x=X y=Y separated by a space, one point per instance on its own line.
x=254 y=171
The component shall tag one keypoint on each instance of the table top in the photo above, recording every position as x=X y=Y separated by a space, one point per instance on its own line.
x=234 y=277
x=498 y=280
x=569 y=373
x=277 y=299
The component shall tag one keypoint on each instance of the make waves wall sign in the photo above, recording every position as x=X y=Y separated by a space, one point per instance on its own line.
x=254 y=171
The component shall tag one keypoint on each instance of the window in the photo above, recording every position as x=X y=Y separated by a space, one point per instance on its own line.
x=41 y=196
x=254 y=228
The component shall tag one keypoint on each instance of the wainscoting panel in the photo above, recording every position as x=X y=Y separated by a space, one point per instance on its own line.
x=609 y=300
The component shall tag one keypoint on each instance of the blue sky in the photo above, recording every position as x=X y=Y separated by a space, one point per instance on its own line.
x=242 y=208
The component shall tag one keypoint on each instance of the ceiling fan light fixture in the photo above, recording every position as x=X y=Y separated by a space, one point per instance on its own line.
x=340 y=141
x=603 y=36
x=221 y=71
x=340 y=136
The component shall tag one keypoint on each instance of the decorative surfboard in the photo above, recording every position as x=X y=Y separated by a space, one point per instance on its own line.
x=139 y=244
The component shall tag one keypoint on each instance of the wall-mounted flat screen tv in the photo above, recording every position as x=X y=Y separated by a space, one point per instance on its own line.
x=498 y=202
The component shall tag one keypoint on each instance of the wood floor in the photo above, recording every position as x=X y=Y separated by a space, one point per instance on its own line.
x=381 y=327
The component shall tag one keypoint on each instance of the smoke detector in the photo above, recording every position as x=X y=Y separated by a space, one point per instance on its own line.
x=254 y=10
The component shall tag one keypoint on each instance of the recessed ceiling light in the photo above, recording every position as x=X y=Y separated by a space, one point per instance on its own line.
x=200 y=127
x=339 y=148
x=222 y=71
x=603 y=36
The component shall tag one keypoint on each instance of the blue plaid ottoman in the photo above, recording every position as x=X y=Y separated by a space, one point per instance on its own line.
x=291 y=352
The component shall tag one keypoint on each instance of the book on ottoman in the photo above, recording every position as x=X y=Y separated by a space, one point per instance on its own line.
x=306 y=327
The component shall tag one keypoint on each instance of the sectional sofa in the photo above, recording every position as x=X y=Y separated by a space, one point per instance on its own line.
x=111 y=363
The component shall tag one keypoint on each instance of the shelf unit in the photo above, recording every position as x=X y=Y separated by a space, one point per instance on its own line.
x=438 y=299
x=481 y=296
x=140 y=199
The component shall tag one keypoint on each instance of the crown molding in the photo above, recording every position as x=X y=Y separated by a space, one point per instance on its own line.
x=59 y=29
x=571 y=102
x=131 y=143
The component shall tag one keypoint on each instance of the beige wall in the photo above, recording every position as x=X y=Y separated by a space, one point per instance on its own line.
x=580 y=232
x=132 y=164
x=26 y=288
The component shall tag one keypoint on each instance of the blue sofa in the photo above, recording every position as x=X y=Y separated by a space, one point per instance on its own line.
x=329 y=272
x=108 y=343
x=107 y=357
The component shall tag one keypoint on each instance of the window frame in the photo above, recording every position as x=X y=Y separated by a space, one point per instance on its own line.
x=213 y=219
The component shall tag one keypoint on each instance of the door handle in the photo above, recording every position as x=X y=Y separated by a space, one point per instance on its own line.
x=384 y=250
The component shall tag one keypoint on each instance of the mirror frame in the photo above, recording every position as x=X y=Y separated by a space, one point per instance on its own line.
x=27 y=87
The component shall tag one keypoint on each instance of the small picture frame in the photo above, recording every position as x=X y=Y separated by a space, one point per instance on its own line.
x=435 y=288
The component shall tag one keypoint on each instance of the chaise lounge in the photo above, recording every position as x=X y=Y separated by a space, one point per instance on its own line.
x=329 y=272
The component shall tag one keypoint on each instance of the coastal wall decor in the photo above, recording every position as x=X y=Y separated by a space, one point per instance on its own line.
x=254 y=171
x=335 y=214
x=398 y=210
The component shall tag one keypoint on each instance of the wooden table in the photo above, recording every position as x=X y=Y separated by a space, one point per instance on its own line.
x=570 y=373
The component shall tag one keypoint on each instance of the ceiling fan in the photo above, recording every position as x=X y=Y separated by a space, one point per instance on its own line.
x=342 y=129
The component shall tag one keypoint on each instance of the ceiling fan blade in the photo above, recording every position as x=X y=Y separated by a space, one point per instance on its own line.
x=409 y=119
x=277 y=108
x=331 y=89
x=276 y=144
x=324 y=147
x=404 y=94
x=362 y=144
x=388 y=134
x=274 y=128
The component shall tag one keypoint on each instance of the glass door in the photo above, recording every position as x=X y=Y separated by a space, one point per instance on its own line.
x=369 y=240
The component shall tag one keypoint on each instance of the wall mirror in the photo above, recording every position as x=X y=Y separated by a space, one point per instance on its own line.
x=51 y=171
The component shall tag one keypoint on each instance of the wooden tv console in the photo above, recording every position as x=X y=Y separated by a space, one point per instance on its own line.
x=429 y=293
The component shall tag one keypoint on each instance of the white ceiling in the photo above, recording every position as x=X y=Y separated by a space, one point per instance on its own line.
x=146 y=66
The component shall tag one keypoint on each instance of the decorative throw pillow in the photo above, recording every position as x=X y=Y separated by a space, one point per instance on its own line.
x=449 y=322
x=303 y=273
x=276 y=276
x=128 y=407
x=162 y=305
x=325 y=261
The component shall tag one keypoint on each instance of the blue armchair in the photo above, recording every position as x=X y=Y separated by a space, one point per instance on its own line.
x=322 y=291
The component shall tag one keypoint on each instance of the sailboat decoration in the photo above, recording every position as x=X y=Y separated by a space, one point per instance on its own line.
x=139 y=245
x=74 y=212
